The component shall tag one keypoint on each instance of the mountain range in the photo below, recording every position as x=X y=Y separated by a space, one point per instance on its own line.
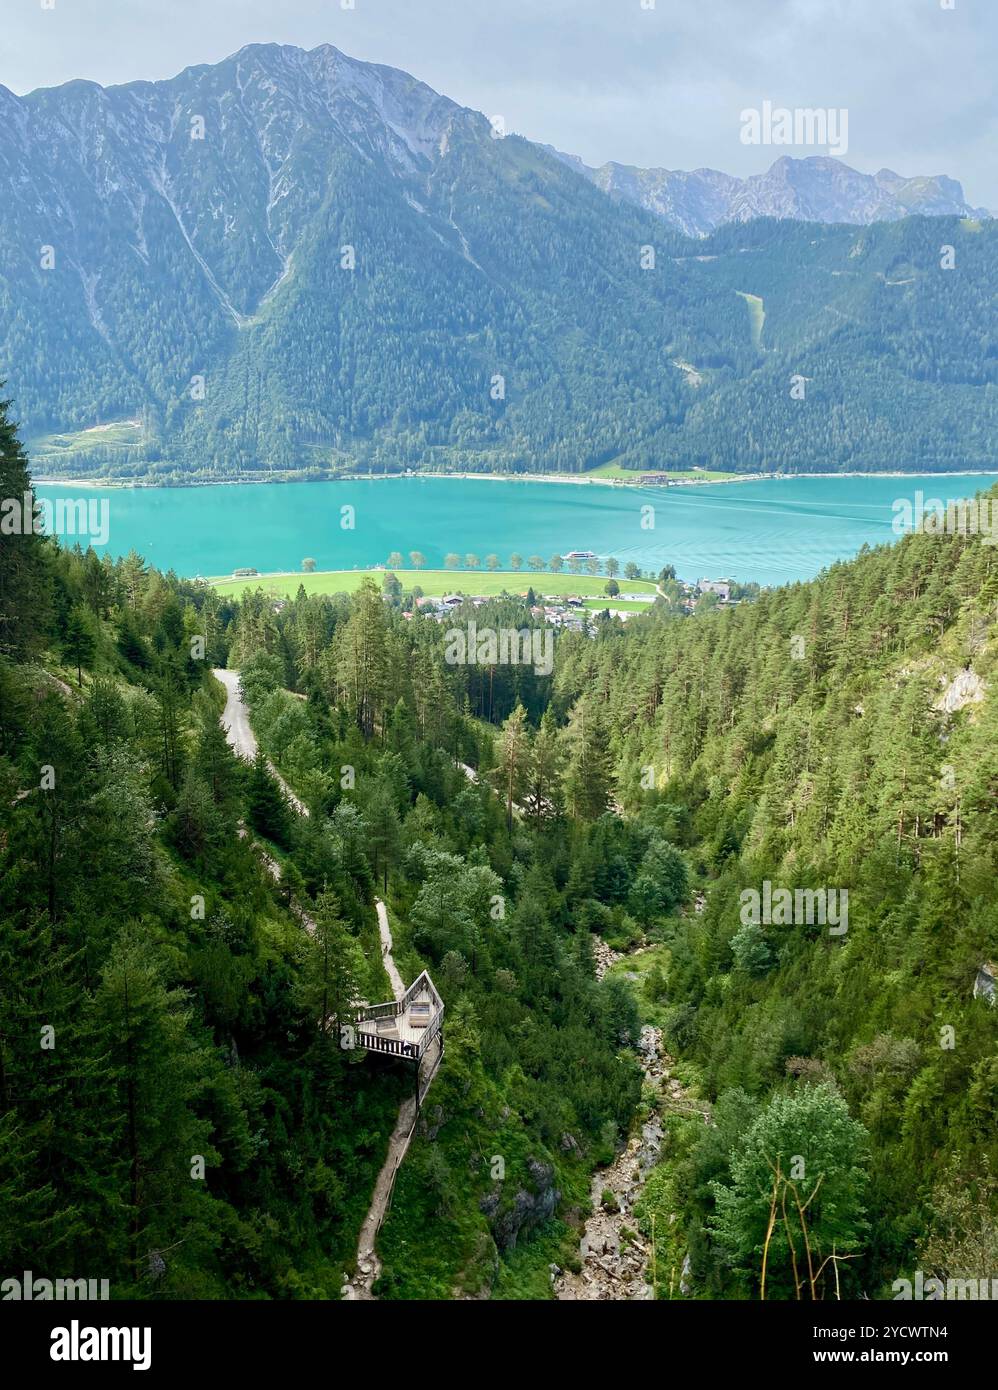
x=817 y=189
x=296 y=263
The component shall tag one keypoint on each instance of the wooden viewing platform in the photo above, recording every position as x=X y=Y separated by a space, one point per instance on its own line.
x=406 y=1026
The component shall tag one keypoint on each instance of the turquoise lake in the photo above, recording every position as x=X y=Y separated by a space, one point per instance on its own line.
x=772 y=532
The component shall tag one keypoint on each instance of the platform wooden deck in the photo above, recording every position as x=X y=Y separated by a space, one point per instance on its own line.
x=405 y=1027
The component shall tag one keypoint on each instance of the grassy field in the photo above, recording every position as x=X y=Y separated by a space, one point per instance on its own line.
x=434 y=583
x=121 y=434
x=615 y=605
x=610 y=470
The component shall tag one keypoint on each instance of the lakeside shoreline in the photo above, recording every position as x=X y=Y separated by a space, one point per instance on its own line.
x=117 y=484
x=766 y=535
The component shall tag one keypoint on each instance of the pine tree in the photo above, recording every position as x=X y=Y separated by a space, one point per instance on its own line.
x=54 y=759
x=79 y=642
x=266 y=803
x=156 y=1069
x=24 y=590
x=361 y=667
x=131 y=643
x=513 y=759
x=545 y=771
x=587 y=782
x=383 y=830
x=333 y=966
x=170 y=698
x=214 y=759
x=42 y=1060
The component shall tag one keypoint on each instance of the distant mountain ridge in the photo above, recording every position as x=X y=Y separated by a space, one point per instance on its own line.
x=816 y=189
x=296 y=263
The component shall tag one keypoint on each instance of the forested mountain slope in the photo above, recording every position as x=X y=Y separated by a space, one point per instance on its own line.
x=173 y=1111
x=291 y=261
x=189 y=1126
x=838 y=735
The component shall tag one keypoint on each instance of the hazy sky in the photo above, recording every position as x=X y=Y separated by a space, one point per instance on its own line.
x=605 y=79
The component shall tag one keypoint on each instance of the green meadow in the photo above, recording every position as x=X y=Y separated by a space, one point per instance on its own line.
x=435 y=583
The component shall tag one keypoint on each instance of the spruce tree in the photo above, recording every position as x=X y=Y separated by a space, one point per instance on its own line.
x=266 y=802
x=24 y=591
x=79 y=642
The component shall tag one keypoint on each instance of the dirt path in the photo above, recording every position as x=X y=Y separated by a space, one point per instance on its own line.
x=235 y=722
x=359 y=1288
x=385 y=932
x=235 y=716
x=368 y=1264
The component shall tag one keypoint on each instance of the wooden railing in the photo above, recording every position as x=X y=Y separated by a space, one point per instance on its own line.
x=431 y=1031
x=411 y=993
x=396 y=1008
x=395 y=1046
x=422 y=984
x=391 y=1010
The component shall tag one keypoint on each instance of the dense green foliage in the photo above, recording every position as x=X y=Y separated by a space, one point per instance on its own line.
x=848 y=759
x=185 y=1000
